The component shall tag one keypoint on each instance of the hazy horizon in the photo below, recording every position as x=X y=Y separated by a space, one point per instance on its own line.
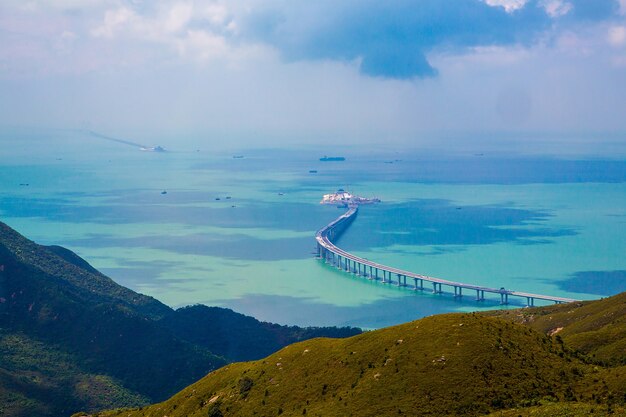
x=482 y=75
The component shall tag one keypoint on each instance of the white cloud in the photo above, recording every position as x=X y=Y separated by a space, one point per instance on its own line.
x=215 y=13
x=178 y=17
x=622 y=7
x=556 y=8
x=114 y=20
x=509 y=5
x=617 y=35
x=64 y=44
x=202 y=45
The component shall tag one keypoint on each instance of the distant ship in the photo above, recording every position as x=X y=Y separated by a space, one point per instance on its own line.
x=332 y=158
x=237 y=156
x=152 y=148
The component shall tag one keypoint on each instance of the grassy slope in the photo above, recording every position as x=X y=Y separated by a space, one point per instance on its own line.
x=596 y=328
x=455 y=364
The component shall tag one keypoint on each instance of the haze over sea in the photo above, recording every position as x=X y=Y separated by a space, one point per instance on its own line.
x=533 y=223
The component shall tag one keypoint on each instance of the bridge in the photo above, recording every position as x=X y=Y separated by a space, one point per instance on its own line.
x=343 y=260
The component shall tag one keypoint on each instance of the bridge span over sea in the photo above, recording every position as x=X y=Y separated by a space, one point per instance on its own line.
x=343 y=260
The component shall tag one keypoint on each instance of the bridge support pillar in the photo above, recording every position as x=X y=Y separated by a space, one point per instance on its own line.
x=530 y=301
x=458 y=291
x=399 y=280
x=504 y=298
x=377 y=273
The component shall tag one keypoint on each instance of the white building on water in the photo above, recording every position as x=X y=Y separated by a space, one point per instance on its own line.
x=344 y=198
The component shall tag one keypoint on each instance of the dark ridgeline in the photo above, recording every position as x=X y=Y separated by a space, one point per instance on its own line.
x=72 y=339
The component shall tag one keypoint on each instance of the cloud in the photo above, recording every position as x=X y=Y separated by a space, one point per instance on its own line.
x=508 y=5
x=380 y=39
x=114 y=21
x=394 y=40
x=355 y=69
x=617 y=35
x=556 y=8
x=390 y=39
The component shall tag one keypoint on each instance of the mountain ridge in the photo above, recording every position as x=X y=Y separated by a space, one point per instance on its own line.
x=117 y=346
x=462 y=364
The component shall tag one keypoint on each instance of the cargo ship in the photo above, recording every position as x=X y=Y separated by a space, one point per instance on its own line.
x=332 y=158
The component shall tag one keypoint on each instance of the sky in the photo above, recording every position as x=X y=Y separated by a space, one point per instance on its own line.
x=272 y=72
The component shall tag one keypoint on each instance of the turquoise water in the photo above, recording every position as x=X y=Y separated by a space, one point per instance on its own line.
x=540 y=225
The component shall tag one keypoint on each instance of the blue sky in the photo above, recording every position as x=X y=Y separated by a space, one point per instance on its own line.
x=286 y=71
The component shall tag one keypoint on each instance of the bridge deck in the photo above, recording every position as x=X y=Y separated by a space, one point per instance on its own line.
x=325 y=246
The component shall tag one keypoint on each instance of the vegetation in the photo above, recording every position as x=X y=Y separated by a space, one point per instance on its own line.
x=594 y=328
x=454 y=364
x=566 y=409
x=238 y=337
x=71 y=338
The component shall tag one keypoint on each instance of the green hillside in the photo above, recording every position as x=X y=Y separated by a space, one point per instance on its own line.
x=595 y=328
x=454 y=364
x=71 y=338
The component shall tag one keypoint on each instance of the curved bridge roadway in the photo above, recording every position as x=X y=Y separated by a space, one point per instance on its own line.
x=346 y=261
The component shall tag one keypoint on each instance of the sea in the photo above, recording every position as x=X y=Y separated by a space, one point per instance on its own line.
x=234 y=227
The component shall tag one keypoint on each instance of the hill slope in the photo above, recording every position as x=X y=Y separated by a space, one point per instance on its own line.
x=454 y=364
x=595 y=328
x=71 y=338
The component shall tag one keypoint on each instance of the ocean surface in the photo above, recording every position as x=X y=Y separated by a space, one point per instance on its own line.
x=195 y=225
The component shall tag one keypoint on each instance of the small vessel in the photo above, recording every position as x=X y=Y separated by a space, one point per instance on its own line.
x=281 y=193
x=163 y=192
x=152 y=148
x=332 y=158
x=237 y=156
x=228 y=197
x=217 y=199
x=312 y=171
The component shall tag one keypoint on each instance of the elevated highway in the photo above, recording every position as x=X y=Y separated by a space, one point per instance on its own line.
x=348 y=262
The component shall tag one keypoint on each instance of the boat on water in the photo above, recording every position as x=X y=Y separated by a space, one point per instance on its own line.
x=152 y=149
x=332 y=158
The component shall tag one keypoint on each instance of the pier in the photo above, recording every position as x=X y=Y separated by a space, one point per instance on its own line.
x=345 y=261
